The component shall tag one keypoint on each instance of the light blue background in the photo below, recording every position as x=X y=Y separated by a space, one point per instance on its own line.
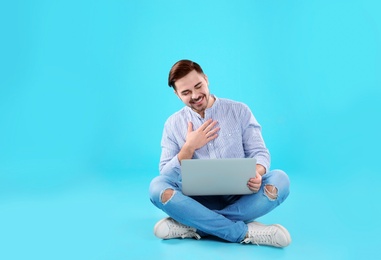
x=83 y=99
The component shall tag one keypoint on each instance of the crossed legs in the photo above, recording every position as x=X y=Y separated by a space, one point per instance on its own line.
x=227 y=222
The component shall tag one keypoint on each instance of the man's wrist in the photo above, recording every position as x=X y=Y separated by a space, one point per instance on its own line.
x=261 y=169
x=189 y=149
x=186 y=152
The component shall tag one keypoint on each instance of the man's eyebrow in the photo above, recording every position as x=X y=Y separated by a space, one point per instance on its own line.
x=198 y=84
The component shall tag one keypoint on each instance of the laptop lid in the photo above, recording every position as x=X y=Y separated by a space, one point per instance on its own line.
x=217 y=176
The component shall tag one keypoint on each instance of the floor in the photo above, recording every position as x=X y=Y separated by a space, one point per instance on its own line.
x=102 y=218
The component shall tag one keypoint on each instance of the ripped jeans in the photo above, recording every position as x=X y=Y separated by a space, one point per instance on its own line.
x=222 y=216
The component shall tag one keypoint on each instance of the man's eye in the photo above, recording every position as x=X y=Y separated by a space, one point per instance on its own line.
x=185 y=93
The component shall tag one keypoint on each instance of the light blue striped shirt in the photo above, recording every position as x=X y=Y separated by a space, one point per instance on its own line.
x=239 y=135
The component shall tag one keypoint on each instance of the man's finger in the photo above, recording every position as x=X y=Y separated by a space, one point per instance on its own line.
x=211 y=137
x=190 y=127
x=206 y=124
x=210 y=126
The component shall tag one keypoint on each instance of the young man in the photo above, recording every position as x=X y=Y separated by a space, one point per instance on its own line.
x=210 y=127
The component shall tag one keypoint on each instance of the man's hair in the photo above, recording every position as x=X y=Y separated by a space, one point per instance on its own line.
x=180 y=69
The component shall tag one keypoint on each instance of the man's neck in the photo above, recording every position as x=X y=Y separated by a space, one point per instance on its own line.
x=210 y=104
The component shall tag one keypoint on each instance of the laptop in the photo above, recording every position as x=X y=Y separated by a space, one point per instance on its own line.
x=217 y=176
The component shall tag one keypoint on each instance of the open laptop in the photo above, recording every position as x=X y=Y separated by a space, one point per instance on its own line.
x=217 y=176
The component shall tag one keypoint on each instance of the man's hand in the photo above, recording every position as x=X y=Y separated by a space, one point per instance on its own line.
x=254 y=184
x=198 y=138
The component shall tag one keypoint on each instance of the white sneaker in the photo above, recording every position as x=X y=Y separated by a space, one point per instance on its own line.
x=168 y=228
x=270 y=235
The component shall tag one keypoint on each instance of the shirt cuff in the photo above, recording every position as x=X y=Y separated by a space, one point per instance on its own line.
x=171 y=167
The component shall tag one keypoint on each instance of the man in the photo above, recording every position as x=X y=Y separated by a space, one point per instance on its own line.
x=210 y=127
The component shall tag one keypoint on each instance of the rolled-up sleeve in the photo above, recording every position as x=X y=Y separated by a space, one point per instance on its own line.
x=169 y=163
x=253 y=143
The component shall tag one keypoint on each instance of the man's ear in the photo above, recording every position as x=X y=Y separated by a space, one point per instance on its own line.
x=174 y=91
x=206 y=79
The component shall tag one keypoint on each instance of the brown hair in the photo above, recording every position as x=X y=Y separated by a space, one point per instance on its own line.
x=181 y=69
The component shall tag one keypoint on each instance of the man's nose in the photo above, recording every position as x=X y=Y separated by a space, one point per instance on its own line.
x=194 y=95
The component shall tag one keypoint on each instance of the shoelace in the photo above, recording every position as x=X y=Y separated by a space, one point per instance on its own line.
x=178 y=230
x=262 y=237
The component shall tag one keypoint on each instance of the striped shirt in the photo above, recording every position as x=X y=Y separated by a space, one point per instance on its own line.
x=239 y=135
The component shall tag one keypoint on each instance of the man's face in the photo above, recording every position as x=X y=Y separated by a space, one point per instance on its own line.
x=194 y=92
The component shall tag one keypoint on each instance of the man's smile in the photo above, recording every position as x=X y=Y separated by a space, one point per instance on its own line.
x=198 y=101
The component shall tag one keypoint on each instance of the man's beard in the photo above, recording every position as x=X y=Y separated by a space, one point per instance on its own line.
x=203 y=107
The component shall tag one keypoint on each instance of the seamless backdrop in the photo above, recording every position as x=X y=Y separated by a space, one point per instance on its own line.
x=83 y=99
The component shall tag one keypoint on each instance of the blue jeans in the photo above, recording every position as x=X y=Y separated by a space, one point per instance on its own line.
x=221 y=216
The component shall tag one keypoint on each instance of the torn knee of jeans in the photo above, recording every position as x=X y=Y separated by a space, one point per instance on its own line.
x=271 y=192
x=166 y=195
